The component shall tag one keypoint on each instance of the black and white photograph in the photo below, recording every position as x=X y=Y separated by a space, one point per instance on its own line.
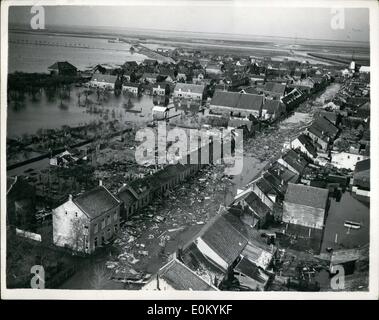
x=188 y=149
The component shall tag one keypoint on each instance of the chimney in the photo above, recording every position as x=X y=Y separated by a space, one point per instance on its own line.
x=100 y=183
x=70 y=197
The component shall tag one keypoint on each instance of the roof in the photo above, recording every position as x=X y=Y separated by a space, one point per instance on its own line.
x=62 y=65
x=306 y=195
x=307 y=142
x=282 y=173
x=131 y=84
x=180 y=277
x=104 y=78
x=189 y=87
x=295 y=160
x=362 y=165
x=96 y=201
x=271 y=106
x=249 y=269
x=223 y=238
x=323 y=125
x=256 y=204
x=275 y=87
x=237 y=100
x=159 y=109
x=258 y=253
x=126 y=196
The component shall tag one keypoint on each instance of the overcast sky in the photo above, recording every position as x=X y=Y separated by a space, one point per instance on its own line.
x=282 y=22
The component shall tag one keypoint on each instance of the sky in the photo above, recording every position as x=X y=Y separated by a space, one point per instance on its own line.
x=293 y=22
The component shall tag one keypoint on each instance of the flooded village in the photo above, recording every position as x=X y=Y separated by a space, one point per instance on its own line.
x=80 y=205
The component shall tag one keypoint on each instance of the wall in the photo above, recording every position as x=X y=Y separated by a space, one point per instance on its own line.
x=303 y=215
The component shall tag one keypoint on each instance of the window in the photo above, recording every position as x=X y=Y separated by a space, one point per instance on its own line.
x=109 y=219
x=96 y=228
x=95 y=242
x=359 y=158
x=103 y=224
x=115 y=215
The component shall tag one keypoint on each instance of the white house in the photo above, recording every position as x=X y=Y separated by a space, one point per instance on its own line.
x=87 y=221
x=103 y=81
x=189 y=91
x=346 y=160
x=133 y=88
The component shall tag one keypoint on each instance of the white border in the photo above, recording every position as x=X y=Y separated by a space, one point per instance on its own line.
x=226 y=295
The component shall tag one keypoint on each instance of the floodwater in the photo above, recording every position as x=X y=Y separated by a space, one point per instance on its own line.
x=46 y=114
x=36 y=52
x=336 y=235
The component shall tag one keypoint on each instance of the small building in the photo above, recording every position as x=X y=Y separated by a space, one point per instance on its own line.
x=249 y=276
x=323 y=132
x=161 y=89
x=304 y=144
x=175 y=275
x=133 y=88
x=63 y=68
x=293 y=161
x=220 y=242
x=273 y=110
x=103 y=81
x=189 y=91
x=88 y=221
x=304 y=213
x=67 y=158
x=160 y=112
x=273 y=90
x=150 y=77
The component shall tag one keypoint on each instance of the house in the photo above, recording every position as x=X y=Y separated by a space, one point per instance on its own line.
x=21 y=203
x=268 y=194
x=273 y=90
x=256 y=212
x=322 y=132
x=87 y=221
x=63 y=68
x=103 y=81
x=361 y=178
x=304 y=144
x=161 y=89
x=250 y=277
x=237 y=104
x=220 y=242
x=304 y=212
x=272 y=110
x=346 y=160
x=189 y=91
x=175 y=275
x=293 y=161
x=160 y=112
x=149 y=77
x=133 y=88
x=259 y=253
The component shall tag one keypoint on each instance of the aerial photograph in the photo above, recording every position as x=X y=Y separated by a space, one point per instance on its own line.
x=196 y=147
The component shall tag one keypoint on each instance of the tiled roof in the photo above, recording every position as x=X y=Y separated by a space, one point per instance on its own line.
x=96 y=201
x=237 y=100
x=271 y=106
x=362 y=165
x=104 y=78
x=306 y=195
x=249 y=269
x=189 y=87
x=224 y=239
x=257 y=205
x=62 y=65
x=126 y=196
x=323 y=125
x=306 y=141
x=180 y=277
x=295 y=160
